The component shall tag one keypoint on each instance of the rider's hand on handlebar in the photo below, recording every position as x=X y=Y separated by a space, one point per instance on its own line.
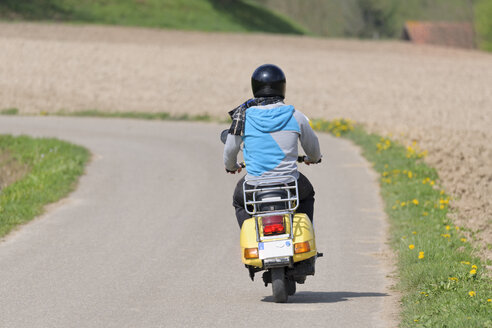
x=238 y=170
x=306 y=160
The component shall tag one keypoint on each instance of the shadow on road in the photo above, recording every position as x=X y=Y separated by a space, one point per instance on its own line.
x=324 y=297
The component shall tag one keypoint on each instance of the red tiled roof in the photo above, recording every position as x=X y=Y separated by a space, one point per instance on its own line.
x=459 y=35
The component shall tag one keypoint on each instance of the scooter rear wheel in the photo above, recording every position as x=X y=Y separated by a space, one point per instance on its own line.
x=291 y=287
x=279 y=285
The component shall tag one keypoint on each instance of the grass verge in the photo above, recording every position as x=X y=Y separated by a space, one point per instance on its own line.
x=136 y=115
x=9 y=111
x=443 y=283
x=53 y=169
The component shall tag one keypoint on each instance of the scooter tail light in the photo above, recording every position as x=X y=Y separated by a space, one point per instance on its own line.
x=273 y=225
x=251 y=253
x=302 y=247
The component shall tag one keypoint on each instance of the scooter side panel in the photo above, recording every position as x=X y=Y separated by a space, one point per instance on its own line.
x=303 y=231
x=248 y=240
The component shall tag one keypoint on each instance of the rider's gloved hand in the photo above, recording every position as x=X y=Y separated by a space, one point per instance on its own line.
x=307 y=161
x=238 y=169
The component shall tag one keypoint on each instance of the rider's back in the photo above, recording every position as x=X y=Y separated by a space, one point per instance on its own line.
x=271 y=136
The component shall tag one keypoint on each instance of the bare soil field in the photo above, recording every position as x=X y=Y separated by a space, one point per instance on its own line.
x=438 y=97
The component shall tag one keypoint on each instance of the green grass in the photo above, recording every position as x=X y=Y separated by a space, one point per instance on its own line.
x=135 y=115
x=203 y=15
x=436 y=288
x=54 y=167
x=483 y=24
x=9 y=111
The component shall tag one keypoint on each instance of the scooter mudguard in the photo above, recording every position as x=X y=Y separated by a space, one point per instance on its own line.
x=303 y=232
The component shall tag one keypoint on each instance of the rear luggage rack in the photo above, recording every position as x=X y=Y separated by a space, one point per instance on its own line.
x=272 y=185
x=284 y=195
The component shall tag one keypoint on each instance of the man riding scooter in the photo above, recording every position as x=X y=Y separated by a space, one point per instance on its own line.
x=270 y=131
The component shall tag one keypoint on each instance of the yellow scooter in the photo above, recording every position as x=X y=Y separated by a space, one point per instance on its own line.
x=276 y=238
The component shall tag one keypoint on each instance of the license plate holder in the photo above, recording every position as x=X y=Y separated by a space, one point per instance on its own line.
x=276 y=248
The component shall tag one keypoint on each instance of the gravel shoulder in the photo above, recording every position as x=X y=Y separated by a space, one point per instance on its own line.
x=438 y=97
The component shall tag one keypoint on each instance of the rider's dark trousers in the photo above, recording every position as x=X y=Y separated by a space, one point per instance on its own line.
x=306 y=199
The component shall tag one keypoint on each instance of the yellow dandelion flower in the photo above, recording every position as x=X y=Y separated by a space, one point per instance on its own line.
x=473 y=272
x=457 y=228
x=489 y=300
x=415 y=201
x=474 y=267
x=403 y=203
x=472 y=293
x=414 y=232
x=448 y=227
x=463 y=240
x=410 y=174
x=465 y=262
x=421 y=255
x=432 y=183
x=445 y=235
x=441 y=192
x=425 y=213
x=411 y=246
x=394 y=207
x=453 y=279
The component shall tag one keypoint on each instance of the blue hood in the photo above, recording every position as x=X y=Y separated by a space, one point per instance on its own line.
x=269 y=120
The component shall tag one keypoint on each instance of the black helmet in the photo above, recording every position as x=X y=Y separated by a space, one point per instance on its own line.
x=268 y=81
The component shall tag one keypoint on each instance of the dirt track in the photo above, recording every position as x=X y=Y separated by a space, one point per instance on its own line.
x=437 y=96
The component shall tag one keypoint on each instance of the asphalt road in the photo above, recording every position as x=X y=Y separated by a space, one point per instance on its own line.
x=149 y=238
